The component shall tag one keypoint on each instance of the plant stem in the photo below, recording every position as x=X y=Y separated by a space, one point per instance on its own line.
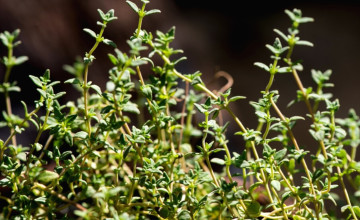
x=272 y=75
x=127 y=128
x=141 y=17
x=46 y=147
x=86 y=73
x=263 y=175
x=281 y=205
x=206 y=153
x=137 y=34
x=168 y=130
x=228 y=173
x=27 y=118
x=292 y=189
x=206 y=156
x=134 y=183
x=215 y=97
x=271 y=80
x=346 y=193
x=303 y=162
x=79 y=158
x=41 y=130
x=267 y=89
x=182 y=121
x=236 y=119
x=60 y=196
x=6 y=92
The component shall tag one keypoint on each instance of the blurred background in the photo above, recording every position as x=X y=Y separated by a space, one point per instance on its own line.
x=227 y=35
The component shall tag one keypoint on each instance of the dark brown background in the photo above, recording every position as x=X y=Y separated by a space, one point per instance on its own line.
x=223 y=35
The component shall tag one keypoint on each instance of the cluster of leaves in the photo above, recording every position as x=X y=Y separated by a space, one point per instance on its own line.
x=100 y=161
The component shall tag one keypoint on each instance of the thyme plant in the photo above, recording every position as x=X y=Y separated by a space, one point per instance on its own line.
x=119 y=167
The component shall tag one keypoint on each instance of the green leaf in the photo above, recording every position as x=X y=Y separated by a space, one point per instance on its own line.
x=235 y=98
x=131 y=107
x=110 y=16
x=254 y=209
x=126 y=152
x=100 y=24
x=46 y=76
x=179 y=60
x=102 y=15
x=113 y=59
x=262 y=66
x=5 y=182
x=164 y=212
x=298 y=217
x=153 y=11
x=305 y=20
x=21 y=156
x=81 y=135
x=47 y=176
x=356 y=210
x=184 y=215
x=68 y=138
x=343 y=208
x=285 y=196
x=19 y=170
x=284 y=70
x=106 y=109
x=272 y=49
x=109 y=42
x=74 y=81
x=25 y=108
x=79 y=213
x=138 y=62
x=317 y=135
x=276 y=184
x=58 y=95
x=200 y=108
x=70 y=119
x=4 y=39
x=20 y=60
x=96 y=88
x=36 y=80
x=208 y=102
x=304 y=42
x=110 y=86
x=14 y=89
x=291 y=14
x=18 y=129
x=133 y=6
x=279 y=155
x=261 y=114
x=148 y=60
x=38 y=146
x=56 y=152
x=65 y=154
x=317 y=174
x=41 y=200
x=114 y=191
x=146 y=91
x=88 y=58
x=226 y=93
x=91 y=32
x=281 y=34
x=196 y=80
x=218 y=161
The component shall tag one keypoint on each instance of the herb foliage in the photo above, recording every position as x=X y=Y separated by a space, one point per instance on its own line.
x=162 y=168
